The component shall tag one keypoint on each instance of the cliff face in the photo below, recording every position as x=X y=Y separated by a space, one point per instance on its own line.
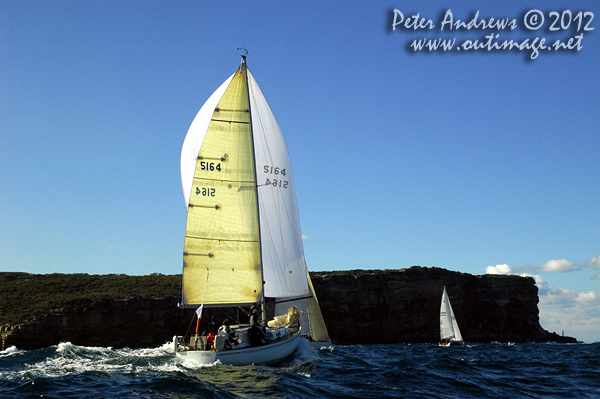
x=359 y=307
x=133 y=323
x=380 y=307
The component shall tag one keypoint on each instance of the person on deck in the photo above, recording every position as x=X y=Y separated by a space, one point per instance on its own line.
x=256 y=335
x=214 y=324
x=227 y=330
x=254 y=315
x=211 y=332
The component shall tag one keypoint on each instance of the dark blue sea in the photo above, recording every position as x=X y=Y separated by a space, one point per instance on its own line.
x=355 y=371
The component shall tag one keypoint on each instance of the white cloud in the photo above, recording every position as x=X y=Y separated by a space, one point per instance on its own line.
x=586 y=298
x=574 y=323
x=575 y=313
x=593 y=263
x=578 y=314
x=552 y=266
x=304 y=237
x=558 y=297
x=561 y=266
x=498 y=269
x=542 y=285
x=557 y=266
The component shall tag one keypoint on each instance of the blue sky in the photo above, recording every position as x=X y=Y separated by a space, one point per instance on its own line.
x=473 y=161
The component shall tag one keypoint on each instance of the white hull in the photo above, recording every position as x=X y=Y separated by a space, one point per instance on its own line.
x=265 y=354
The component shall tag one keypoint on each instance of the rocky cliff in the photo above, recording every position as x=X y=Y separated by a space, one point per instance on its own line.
x=393 y=306
x=359 y=307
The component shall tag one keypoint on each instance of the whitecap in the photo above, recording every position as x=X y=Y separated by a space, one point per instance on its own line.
x=10 y=351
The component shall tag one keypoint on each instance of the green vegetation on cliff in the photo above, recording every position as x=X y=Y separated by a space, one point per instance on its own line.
x=24 y=297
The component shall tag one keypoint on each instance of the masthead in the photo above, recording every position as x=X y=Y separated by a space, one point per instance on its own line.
x=243 y=55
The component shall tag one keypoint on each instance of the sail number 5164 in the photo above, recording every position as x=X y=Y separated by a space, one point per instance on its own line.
x=212 y=166
x=205 y=192
x=275 y=182
x=274 y=170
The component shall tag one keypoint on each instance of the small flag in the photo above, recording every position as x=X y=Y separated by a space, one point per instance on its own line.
x=199 y=311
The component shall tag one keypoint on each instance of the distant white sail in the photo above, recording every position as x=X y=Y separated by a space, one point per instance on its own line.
x=449 y=330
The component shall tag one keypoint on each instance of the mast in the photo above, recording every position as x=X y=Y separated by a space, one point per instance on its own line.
x=262 y=277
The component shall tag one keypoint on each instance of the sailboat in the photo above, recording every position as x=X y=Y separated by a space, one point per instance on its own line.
x=449 y=331
x=243 y=245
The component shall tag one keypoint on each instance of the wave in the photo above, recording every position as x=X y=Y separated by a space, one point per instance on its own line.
x=10 y=351
x=366 y=371
x=70 y=359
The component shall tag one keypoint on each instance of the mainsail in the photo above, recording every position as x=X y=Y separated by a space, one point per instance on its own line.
x=243 y=227
x=222 y=232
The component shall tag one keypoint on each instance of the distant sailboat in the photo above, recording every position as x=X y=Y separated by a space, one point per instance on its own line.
x=449 y=331
x=243 y=245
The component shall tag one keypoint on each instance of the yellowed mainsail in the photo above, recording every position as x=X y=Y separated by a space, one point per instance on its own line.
x=222 y=232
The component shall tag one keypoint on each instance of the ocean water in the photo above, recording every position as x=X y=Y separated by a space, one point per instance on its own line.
x=353 y=371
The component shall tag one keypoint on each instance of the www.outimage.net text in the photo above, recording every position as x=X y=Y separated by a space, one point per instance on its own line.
x=533 y=20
